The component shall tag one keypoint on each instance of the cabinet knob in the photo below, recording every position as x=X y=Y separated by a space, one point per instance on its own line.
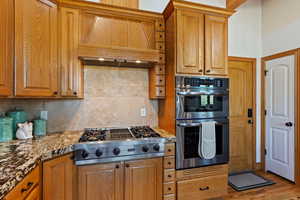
x=207 y=71
x=55 y=93
x=200 y=70
x=29 y=185
x=127 y=165
x=117 y=166
x=75 y=93
x=169 y=176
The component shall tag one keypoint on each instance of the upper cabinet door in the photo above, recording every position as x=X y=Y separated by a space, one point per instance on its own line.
x=36 y=48
x=190 y=42
x=143 y=179
x=216 y=45
x=6 y=47
x=71 y=73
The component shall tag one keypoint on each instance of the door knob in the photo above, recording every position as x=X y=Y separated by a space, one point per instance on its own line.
x=250 y=121
x=289 y=124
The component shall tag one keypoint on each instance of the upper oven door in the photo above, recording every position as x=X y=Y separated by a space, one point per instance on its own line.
x=199 y=104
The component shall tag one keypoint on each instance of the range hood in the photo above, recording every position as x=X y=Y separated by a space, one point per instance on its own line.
x=118 y=56
x=97 y=61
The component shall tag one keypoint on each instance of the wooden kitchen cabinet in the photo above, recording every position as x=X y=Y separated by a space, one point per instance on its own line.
x=101 y=182
x=190 y=42
x=216 y=58
x=34 y=195
x=6 y=47
x=131 y=180
x=28 y=188
x=59 y=179
x=36 y=30
x=200 y=38
x=143 y=179
x=71 y=68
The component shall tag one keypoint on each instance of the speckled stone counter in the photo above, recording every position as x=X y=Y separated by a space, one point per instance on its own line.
x=169 y=136
x=19 y=157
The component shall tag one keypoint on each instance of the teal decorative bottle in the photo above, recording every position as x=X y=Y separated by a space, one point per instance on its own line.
x=18 y=116
x=6 y=129
x=39 y=127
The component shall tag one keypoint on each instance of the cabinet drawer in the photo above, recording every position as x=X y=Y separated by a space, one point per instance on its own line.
x=160 y=91
x=160 y=25
x=162 y=58
x=202 y=188
x=170 y=149
x=169 y=188
x=169 y=197
x=160 y=69
x=25 y=186
x=169 y=175
x=160 y=80
x=34 y=195
x=160 y=46
x=169 y=162
x=160 y=36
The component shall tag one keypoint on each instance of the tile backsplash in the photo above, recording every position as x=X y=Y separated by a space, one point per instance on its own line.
x=113 y=97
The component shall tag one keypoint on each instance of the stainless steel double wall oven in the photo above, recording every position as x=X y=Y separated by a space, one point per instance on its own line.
x=200 y=99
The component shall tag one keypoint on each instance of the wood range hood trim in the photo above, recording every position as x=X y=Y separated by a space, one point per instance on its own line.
x=115 y=56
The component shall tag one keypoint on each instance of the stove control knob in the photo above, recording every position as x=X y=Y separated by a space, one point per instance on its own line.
x=145 y=149
x=116 y=151
x=99 y=153
x=156 y=147
x=84 y=154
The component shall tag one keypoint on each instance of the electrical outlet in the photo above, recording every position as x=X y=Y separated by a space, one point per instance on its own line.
x=44 y=115
x=143 y=112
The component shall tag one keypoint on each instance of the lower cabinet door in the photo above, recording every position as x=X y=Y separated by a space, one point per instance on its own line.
x=59 y=180
x=101 y=182
x=35 y=194
x=143 y=179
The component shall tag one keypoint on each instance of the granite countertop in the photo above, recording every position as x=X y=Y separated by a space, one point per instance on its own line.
x=19 y=157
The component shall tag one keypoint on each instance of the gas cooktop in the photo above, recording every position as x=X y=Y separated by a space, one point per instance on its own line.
x=107 y=134
x=103 y=145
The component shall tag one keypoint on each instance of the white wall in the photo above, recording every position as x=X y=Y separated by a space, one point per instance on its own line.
x=281 y=26
x=159 y=5
x=244 y=40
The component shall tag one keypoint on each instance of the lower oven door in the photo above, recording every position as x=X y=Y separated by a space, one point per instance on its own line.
x=187 y=142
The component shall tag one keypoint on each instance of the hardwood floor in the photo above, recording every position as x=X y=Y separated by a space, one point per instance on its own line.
x=282 y=190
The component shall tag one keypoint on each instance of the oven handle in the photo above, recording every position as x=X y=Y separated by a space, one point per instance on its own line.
x=201 y=93
x=194 y=124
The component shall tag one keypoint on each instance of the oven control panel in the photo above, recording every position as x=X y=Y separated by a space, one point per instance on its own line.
x=202 y=82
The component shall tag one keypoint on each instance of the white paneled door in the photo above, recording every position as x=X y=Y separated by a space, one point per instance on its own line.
x=280 y=157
